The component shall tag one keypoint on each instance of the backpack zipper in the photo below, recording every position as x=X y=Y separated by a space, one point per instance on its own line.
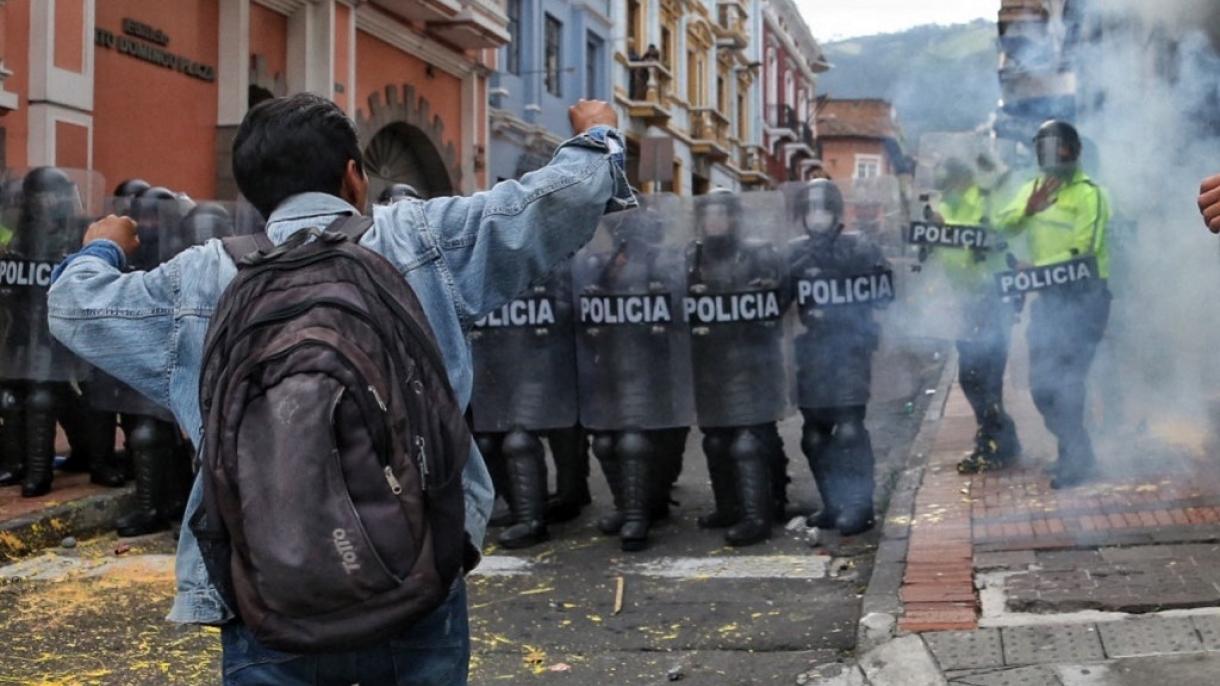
x=395 y=486
x=421 y=457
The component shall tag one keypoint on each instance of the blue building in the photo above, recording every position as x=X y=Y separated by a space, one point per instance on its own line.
x=559 y=51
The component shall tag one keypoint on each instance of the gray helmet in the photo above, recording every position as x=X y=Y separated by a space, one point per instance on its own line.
x=1052 y=139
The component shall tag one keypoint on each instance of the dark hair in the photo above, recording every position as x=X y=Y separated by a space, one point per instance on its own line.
x=298 y=144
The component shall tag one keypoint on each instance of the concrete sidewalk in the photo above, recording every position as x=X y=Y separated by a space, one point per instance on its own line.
x=997 y=579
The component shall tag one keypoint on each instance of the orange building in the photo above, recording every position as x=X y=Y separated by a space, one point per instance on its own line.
x=155 y=90
x=860 y=139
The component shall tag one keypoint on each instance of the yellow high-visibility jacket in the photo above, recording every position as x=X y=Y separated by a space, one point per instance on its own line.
x=1074 y=226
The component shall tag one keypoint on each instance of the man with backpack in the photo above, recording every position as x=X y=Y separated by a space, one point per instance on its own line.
x=323 y=532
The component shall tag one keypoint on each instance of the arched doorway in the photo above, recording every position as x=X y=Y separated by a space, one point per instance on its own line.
x=402 y=153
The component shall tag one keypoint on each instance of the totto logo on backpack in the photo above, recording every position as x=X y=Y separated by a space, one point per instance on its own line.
x=333 y=446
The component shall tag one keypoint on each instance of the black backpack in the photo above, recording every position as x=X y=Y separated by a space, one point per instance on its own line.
x=333 y=448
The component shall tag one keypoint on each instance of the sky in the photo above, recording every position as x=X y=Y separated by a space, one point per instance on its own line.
x=836 y=19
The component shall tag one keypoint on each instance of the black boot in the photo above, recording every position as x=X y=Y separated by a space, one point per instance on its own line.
x=72 y=416
x=12 y=435
x=179 y=477
x=603 y=449
x=815 y=443
x=39 y=440
x=570 y=450
x=723 y=476
x=489 y=447
x=853 y=477
x=525 y=458
x=750 y=458
x=151 y=446
x=778 y=460
x=636 y=453
x=98 y=435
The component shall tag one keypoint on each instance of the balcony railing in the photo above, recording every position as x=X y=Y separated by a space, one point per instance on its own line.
x=649 y=89
x=783 y=117
x=710 y=133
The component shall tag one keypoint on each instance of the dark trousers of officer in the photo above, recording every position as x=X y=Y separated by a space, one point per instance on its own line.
x=982 y=359
x=1065 y=328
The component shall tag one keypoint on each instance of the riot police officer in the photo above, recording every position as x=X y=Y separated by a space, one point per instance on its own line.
x=154 y=443
x=1065 y=216
x=525 y=389
x=986 y=322
x=36 y=369
x=838 y=279
x=734 y=308
x=634 y=363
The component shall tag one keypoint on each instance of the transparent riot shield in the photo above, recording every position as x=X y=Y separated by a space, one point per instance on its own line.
x=841 y=281
x=525 y=361
x=161 y=222
x=736 y=308
x=632 y=345
x=45 y=213
x=962 y=180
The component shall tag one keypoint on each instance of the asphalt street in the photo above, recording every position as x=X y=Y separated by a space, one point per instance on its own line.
x=693 y=610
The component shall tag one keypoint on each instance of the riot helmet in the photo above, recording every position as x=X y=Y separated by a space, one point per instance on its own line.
x=157 y=213
x=131 y=188
x=398 y=191
x=819 y=207
x=205 y=221
x=954 y=177
x=50 y=210
x=716 y=217
x=1058 y=147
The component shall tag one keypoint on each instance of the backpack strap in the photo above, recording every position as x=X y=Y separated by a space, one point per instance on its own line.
x=239 y=247
x=352 y=226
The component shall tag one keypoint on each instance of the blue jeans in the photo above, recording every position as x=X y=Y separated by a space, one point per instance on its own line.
x=433 y=652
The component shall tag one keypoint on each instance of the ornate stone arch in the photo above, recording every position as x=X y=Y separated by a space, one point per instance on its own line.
x=403 y=141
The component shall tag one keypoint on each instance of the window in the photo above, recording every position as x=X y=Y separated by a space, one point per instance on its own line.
x=554 y=33
x=868 y=166
x=667 y=48
x=772 y=85
x=635 y=27
x=743 y=117
x=512 y=62
x=593 y=66
x=722 y=95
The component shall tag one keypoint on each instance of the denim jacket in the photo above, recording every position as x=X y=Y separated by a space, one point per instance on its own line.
x=463 y=256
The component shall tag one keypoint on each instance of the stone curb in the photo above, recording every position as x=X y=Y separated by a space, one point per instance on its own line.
x=31 y=533
x=882 y=595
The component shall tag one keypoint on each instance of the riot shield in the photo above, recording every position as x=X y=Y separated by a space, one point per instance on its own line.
x=633 y=347
x=164 y=232
x=525 y=361
x=736 y=308
x=963 y=180
x=839 y=279
x=46 y=211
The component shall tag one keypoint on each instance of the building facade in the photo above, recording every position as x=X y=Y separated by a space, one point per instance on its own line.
x=132 y=88
x=860 y=139
x=791 y=60
x=678 y=70
x=558 y=51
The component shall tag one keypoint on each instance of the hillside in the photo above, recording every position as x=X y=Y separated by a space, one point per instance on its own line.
x=940 y=78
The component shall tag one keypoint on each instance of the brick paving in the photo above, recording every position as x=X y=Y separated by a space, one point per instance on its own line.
x=1159 y=497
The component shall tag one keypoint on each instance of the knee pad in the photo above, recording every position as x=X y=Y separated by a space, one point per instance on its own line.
x=813 y=440
x=603 y=446
x=745 y=446
x=147 y=433
x=715 y=444
x=634 y=445
x=41 y=398
x=11 y=400
x=520 y=443
x=851 y=431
